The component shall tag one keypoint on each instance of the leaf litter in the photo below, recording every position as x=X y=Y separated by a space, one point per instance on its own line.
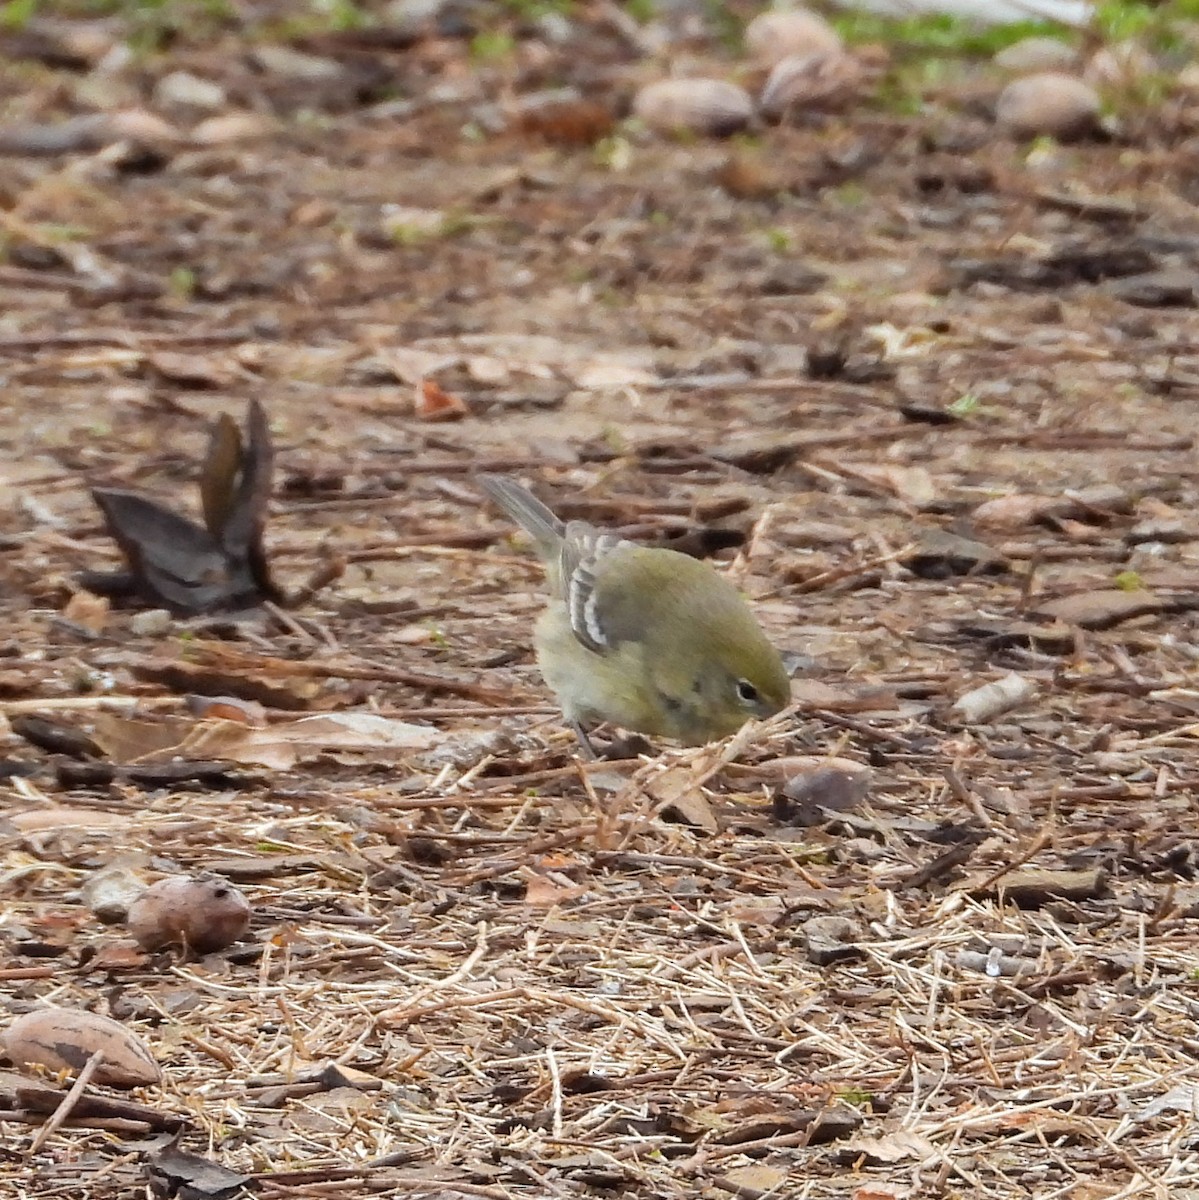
x=897 y=374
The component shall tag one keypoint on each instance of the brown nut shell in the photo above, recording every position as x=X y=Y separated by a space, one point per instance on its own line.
x=63 y=1039
x=204 y=914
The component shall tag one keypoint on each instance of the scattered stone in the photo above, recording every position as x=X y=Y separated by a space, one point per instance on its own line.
x=711 y=107
x=154 y=622
x=137 y=125
x=414 y=18
x=1037 y=54
x=1099 y=502
x=231 y=127
x=184 y=90
x=287 y=63
x=77 y=45
x=90 y=132
x=1048 y=104
x=110 y=893
x=772 y=36
x=555 y=28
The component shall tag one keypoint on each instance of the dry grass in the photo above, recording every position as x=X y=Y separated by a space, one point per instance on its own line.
x=536 y=981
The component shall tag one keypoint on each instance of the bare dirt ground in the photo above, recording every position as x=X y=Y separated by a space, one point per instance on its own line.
x=824 y=347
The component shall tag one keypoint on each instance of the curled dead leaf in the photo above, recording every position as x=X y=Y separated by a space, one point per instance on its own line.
x=187 y=567
x=981 y=704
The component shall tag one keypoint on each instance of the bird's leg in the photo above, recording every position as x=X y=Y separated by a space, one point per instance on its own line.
x=584 y=740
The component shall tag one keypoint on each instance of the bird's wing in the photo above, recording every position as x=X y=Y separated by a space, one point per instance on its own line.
x=583 y=550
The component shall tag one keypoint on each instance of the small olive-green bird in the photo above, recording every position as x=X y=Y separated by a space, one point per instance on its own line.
x=648 y=639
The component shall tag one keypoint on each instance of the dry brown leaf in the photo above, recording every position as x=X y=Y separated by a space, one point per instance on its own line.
x=411 y=364
x=130 y=739
x=277 y=746
x=88 y=610
x=1019 y=511
x=893 y=1147
x=543 y=892
x=913 y=484
x=231 y=127
x=882 y=1191
x=227 y=708
x=759 y=1177
x=676 y=789
x=239 y=678
x=354 y=731
x=563 y=119
x=118 y=956
x=193 y=370
x=44 y=820
x=187 y=567
x=282 y=746
x=610 y=372
x=434 y=403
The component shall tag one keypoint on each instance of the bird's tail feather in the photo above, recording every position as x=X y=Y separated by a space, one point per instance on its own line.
x=527 y=511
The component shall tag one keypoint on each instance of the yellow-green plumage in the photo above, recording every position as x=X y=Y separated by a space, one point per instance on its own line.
x=651 y=640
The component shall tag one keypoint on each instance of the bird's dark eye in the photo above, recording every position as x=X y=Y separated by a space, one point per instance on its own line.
x=747 y=692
